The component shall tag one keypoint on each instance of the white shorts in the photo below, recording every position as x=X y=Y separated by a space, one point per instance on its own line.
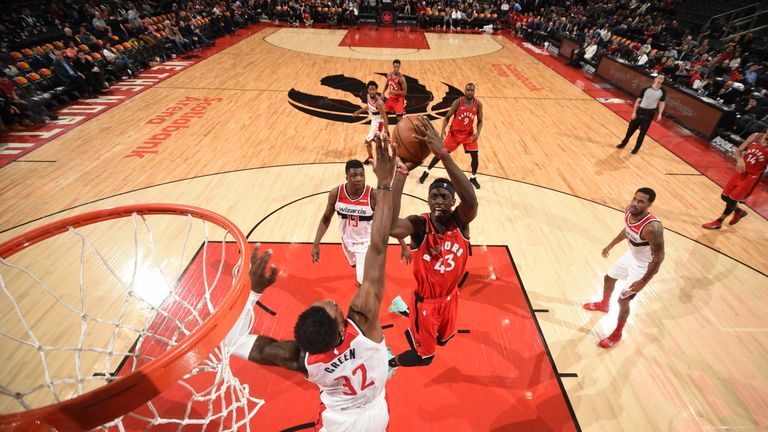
x=377 y=125
x=372 y=418
x=628 y=269
x=355 y=253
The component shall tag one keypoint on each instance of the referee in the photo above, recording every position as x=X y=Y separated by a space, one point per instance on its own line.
x=650 y=101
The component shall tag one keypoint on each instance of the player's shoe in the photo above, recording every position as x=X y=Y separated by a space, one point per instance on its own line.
x=610 y=341
x=715 y=224
x=391 y=369
x=368 y=161
x=739 y=215
x=621 y=145
x=423 y=177
x=597 y=307
x=398 y=306
x=474 y=182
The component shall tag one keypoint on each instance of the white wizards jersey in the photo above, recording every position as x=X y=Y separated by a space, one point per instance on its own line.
x=355 y=216
x=373 y=109
x=641 y=249
x=353 y=374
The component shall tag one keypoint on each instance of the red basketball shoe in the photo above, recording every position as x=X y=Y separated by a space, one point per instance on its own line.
x=610 y=341
x=597 y=307
x=739 y=215
x=715 y=224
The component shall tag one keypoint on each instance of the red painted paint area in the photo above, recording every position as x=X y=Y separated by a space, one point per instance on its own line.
x=496 y=377
x=385 y=37
x=692 y=149
x=78 y=112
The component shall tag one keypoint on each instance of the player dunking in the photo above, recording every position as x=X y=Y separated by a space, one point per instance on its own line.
x=751 y=160
x=345 y=358
x=440 y=245
x=379 y=123
x=354 y=202
x=464 y=111
x=397 y=88
x=637 y=266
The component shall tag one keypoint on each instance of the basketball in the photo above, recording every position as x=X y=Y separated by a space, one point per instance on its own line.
x=409 y=148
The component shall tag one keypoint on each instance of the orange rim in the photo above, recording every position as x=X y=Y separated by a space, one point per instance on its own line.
x=127 y=393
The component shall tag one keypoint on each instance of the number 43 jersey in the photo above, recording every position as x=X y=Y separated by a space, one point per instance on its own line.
x=353 y=374
x=438 y=263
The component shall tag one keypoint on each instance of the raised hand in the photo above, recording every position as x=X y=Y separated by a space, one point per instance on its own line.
x=427 y=133
x=385 y=162
x=315 y=254
x=260 y=280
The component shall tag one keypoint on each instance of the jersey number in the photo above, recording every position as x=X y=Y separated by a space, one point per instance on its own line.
x=750 y=159
x=445 y=264
x=353 y=221
x=347 y=383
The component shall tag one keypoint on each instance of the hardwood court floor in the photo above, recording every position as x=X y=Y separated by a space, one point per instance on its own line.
x=553 y=187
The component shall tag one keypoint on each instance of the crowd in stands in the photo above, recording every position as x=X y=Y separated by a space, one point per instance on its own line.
x=68 y=49
x=732 y=72
x=72 y=48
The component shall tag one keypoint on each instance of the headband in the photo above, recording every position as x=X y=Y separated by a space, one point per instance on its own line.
x=441 y=184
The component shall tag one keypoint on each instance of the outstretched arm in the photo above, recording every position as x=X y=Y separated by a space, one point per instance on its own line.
x=325 y=221
x=654 y=234
x=616 y=240
x=383 y=112
x=365 y=305
x=256 y=348
x=467 y=208
x=448 y=115
x=479 y=121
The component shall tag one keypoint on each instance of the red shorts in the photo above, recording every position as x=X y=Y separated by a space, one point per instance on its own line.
x=433 y=322
x=453 y=140
x=740 y=185
x=395 y=105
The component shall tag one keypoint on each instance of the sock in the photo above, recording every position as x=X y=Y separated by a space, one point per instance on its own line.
x=619 y=327
x=720 y=219
x=412 y=358
x=426 y=170
x=606 y=298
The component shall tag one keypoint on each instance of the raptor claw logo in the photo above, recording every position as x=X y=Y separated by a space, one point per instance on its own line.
x=416 y=101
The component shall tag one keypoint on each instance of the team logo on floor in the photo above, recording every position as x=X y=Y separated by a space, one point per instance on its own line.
x=417 y=101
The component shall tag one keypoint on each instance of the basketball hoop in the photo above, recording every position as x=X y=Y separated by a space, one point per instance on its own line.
x=187 y=344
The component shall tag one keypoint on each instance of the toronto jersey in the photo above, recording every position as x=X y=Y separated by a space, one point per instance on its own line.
x=393 y=83
x=464 y=119
x=641 y=249
x=353 y=374
x=755 y=157
x=438 y=263
x=355 y=215
x=372 y=107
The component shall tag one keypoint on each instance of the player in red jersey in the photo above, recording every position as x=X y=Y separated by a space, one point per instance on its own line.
x=464 y=111
x=345 y=357
x=396 y=90
x=440 y=246
x=636 y=267
x=751 y=160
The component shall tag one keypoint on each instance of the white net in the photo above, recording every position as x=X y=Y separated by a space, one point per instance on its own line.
x=101 y=301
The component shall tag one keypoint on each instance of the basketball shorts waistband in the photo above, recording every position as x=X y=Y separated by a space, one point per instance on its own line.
x=422 y=299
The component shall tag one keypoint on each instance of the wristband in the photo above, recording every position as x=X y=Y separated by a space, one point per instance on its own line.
x=253 y=298
x=442 y=153
x=386 y=188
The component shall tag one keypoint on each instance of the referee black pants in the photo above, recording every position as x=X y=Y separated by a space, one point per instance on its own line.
x=643 y=121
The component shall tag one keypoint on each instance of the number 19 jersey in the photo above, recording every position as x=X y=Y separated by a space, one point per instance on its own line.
x=439 y=261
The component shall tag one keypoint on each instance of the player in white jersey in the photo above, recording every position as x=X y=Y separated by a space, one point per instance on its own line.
x=345 y=357
x=645 y=236
x=379 y=123
x=355 y=203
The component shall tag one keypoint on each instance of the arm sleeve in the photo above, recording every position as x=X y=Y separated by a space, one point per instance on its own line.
x=663 y=95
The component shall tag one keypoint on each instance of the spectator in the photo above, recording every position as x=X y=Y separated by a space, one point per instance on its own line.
x=94 y=76
x=642 y=58
x=65 y=72
x=752 y=74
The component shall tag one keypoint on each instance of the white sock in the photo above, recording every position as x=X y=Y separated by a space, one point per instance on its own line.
x=474 y=175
